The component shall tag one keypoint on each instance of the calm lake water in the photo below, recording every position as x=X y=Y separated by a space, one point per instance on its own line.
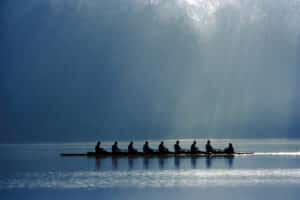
x=36 y=171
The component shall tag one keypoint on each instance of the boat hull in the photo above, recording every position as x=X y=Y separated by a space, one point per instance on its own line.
x=154 y=154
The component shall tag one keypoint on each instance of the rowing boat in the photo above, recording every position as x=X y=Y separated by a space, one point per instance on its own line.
x=155 y=154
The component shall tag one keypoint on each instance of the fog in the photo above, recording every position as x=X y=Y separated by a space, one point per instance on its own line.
x=78 y=70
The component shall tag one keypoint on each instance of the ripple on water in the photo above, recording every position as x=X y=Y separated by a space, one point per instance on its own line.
x=164 y=178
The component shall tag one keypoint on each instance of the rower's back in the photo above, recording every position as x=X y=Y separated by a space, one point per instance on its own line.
x=131 y=149
x=194 y=148
x=162 y=148
x=177 y=148
x=208 y=147
x=146 y=148
x=98 y=149
x=115 y=148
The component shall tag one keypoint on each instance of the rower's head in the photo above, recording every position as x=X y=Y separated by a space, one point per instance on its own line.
x=177 y=142
x=162 y=142
x=208 y=141
x=194 y=142
x=116 y=142
x=98 y=142
x=131 y=143
x=229 y=144
x=146 y=143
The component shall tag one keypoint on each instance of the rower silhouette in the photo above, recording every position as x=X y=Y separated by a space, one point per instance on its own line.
x=146 y=148
x=162 y=148
x=131 y=149
x=177 y=148
x=194 y=148
x=229 y=149
x=115 y=148
x=98 y=149
x=209 y=148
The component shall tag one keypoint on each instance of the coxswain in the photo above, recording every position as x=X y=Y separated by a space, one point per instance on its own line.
x=229 y=149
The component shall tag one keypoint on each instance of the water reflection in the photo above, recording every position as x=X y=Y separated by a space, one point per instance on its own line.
x=194 y=162
x=208 y=162
x=146 y=163
x=177 y=162
x=161 y=163
x=130 y=163
x=230 y=162
x=115 y=163
x=98 y=163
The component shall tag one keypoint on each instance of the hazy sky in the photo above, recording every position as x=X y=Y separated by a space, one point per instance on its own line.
x=74 y=70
